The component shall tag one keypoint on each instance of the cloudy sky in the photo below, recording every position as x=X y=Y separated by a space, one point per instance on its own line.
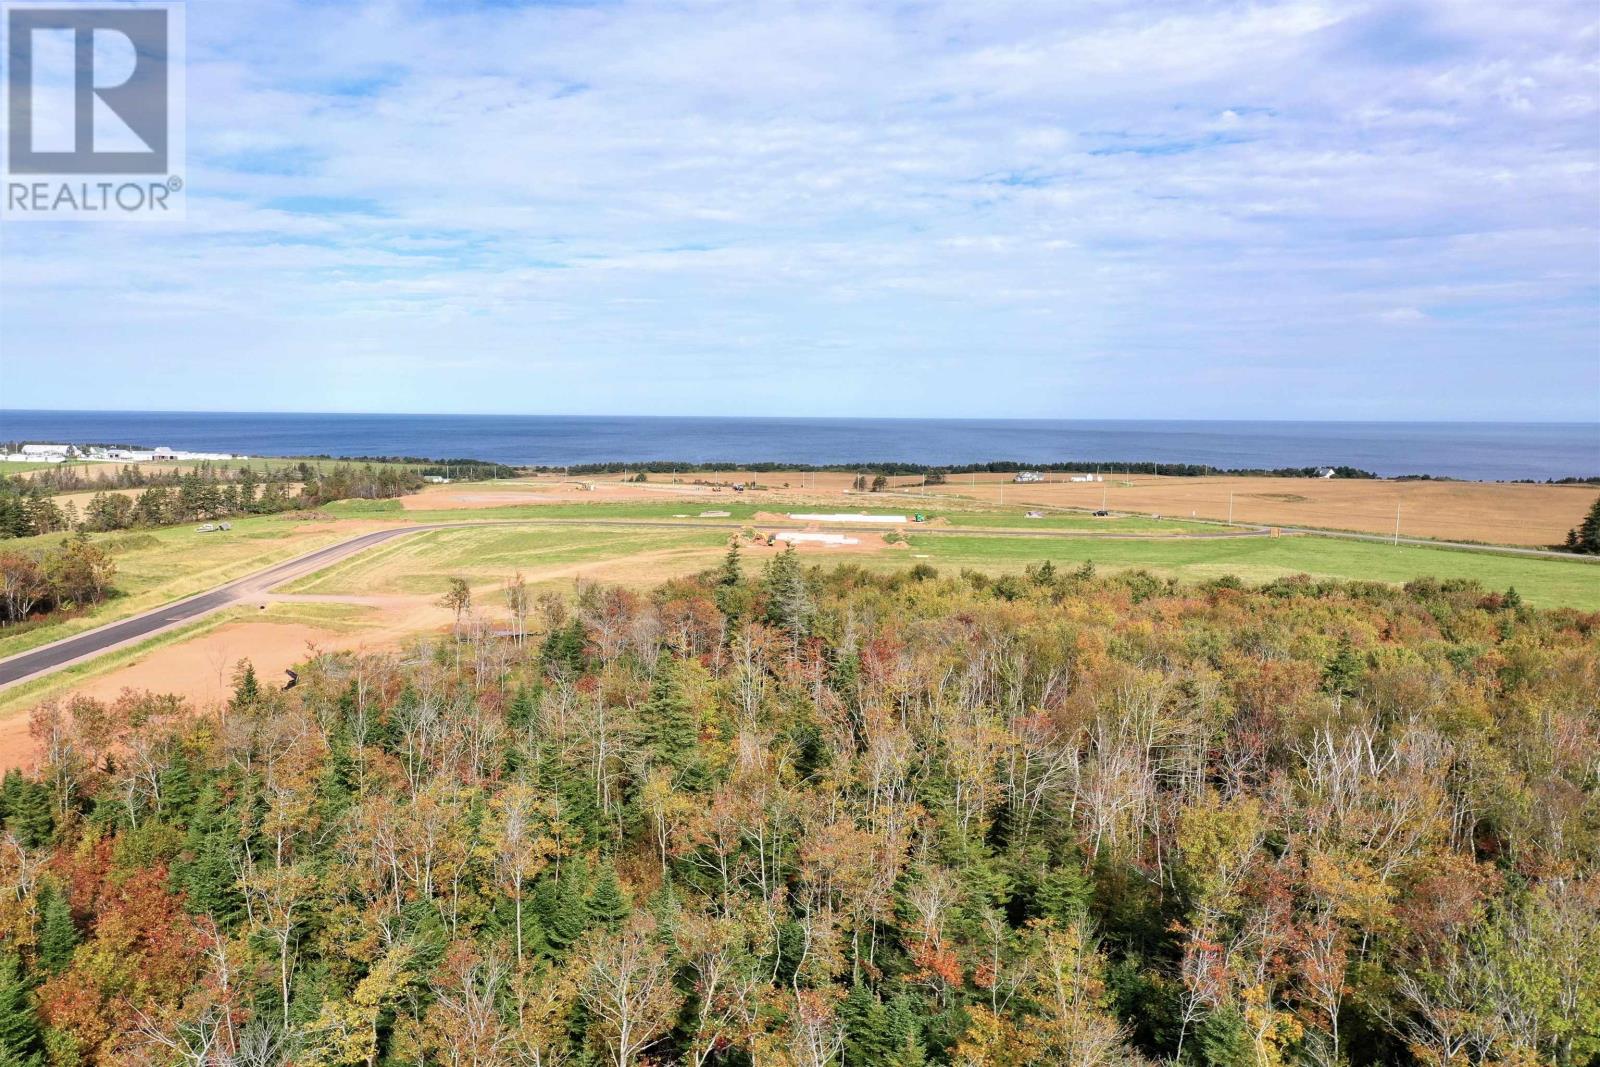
x=1032 y=209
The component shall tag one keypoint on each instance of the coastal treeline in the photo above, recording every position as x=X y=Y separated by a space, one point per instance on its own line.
x=897 y=469
x=835 y=817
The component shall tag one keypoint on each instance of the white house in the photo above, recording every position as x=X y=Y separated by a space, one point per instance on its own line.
x=1028 y=476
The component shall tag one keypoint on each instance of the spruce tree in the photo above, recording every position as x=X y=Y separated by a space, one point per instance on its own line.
x=607 y=905
x=58 y=934
x=19 y=1024
x=790 y=606
x=246 y=690
x=178 y=791
x=671 y=729
x=207 y=874
x=730 y=573
x=564 y=906
x=1586 y=538
x=867 y=1035
x=904 y=1031
x=28 y=814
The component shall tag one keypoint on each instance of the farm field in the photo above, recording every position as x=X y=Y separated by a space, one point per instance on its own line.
x=422 y=565
x=1544 y=582
x=1487 y=512
x=1495 y=513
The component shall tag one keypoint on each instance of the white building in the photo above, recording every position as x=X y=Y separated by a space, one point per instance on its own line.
x=1028 y=476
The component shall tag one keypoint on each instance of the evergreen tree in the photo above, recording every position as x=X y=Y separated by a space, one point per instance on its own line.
x=671 y=728
x=178 y=791
x=246 y=690
x=207 y=873
x=19 y=1024
x=730 y=573
x=607 y=906
x=1586 y=538
x=1343 y=671
x=868 y=1038
x=27 y=807
x=790 y=606
x=522 y=709
x=562 y=906
x=58 y=934
x=564 y=649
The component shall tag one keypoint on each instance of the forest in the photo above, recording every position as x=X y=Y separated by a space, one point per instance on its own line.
x=799 y=816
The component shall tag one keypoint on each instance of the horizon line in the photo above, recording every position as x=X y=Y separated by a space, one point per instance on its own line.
x=775 y=418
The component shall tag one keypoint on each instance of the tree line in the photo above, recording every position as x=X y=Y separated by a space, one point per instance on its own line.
x=73 y=478
x=28 y=510
x=899 y=469
x=813 y=817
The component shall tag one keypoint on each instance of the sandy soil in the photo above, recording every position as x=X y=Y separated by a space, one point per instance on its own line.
x=1469 y=511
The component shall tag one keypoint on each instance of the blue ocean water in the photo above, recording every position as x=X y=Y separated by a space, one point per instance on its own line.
x=1486 y=451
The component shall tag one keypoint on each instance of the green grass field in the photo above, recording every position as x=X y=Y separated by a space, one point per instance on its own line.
x=425 y=563
x=1544 y=582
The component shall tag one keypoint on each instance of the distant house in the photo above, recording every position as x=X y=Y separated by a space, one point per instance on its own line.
x=1324 y=472
x=48 y=450
x=1087 y=478
x=1028 y=476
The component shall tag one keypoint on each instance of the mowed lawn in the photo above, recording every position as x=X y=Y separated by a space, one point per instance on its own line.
x=1544 y=582
x=425 y=562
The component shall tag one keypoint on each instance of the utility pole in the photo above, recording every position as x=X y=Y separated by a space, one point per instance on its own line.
x=1397 y=522
x=1230 y=509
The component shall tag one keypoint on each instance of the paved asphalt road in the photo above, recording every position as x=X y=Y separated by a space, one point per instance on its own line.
x=69 y=650
x=91 y=642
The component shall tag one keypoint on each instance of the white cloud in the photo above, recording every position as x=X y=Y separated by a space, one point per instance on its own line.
x=696 y=205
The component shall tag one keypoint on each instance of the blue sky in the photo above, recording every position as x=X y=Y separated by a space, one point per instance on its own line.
x=1042 y=209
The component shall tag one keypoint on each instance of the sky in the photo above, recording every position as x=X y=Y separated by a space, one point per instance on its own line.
x=1036 y=209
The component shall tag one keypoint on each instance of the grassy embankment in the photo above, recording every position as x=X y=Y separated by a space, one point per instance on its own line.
x=155 y=567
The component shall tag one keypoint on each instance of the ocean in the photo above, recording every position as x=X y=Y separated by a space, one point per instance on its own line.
x=1483 y=451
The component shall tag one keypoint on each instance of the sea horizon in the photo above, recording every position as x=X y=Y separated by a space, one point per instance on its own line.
x=1466 y=449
